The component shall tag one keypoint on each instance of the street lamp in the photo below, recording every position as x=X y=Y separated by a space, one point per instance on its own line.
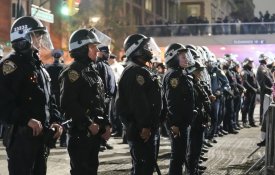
x=94 y=19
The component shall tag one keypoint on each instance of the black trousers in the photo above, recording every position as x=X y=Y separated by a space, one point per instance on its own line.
x=248 y=107
x=83 y=152
x=143 y=155
x=194 y=147
x=27 y=154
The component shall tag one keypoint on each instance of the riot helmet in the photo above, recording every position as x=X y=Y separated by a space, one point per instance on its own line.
x=138 y=45
x=247 y=61
x=105 y=51
x=27 y=33
x=104 y=39
x=172 y=53
x=263 y=58
x=270 y=62
x=1 y=51
x=79 y=41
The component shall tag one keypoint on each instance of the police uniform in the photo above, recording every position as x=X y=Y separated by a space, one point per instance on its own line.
x=203 y=106
x=179 y=98
x=228 y=123
x=54 y=71
x=238 y=98
x=82 y=100
x=219 y=82
x=265 y=80
x=25 y=94
x=251 y=85
x=139 y=107
x=109 y=82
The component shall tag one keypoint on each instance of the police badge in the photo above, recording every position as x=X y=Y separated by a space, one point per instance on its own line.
x=174 y=82
x=140 y=80
x=73 y=75
x=9 y=67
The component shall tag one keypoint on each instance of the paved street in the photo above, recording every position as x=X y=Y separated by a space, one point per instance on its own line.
x=227 y=157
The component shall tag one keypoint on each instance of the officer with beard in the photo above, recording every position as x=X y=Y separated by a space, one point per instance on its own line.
x=139 y=103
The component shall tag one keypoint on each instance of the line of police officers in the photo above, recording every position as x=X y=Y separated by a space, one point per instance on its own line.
x=195 y=90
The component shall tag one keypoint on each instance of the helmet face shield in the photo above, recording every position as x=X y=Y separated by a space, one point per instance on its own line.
x=186 y=59
x=152 y=47
x=41 y=40
x=103 y=38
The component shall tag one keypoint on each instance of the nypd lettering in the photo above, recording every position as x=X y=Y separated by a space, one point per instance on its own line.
x=23 y=27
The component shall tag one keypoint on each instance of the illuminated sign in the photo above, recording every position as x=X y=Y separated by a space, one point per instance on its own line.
x=255 y=41
x=42 y=15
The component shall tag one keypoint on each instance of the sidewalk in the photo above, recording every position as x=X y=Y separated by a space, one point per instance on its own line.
x=227 y=157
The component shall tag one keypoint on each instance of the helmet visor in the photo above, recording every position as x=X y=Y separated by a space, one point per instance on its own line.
x=152 y=46
x=41 y=40
x=103 y=38
x=186 y=59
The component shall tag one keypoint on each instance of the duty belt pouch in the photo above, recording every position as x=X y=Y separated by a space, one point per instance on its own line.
x=8 y=135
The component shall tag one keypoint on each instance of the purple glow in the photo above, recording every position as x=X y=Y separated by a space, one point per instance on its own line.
x=243 y=51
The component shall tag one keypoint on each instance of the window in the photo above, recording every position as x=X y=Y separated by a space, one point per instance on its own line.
x=148 y=5
x=194 y=10
x=13 y=10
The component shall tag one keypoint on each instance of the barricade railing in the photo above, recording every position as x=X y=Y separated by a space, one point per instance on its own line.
x=270 y=141
x=168 y=30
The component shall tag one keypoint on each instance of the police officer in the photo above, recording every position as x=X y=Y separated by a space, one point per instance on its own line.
x=264 y=78
x=179 y=98
x=54 y=70
x=198 y=125
x=251 y=85
x=107 y=75
x=219 y=82
x=235 y=68
x=228 y=123
x=27 y=106
x=82 y=100
x=139 y=103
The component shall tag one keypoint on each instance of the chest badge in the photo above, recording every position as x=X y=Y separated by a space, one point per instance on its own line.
x=9 y=67
x=140 y=80
x=174 y=82
x=73 y=75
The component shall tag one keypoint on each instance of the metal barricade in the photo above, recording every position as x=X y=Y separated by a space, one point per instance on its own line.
x=270 y=141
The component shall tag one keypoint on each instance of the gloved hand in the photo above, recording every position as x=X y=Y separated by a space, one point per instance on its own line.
x=145 y=134
x=175 y=131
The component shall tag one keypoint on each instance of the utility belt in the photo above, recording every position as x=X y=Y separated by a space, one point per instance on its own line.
x=27 y=132
x=82 y=129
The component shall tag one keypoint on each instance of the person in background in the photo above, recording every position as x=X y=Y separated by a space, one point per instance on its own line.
x=108 y=78
x=54 y=71
x=116 y=123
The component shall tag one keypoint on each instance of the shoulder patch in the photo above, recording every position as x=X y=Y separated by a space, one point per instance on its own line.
x=140 y=80
x=174 y=82
x=73 y=75
x=9 y=67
